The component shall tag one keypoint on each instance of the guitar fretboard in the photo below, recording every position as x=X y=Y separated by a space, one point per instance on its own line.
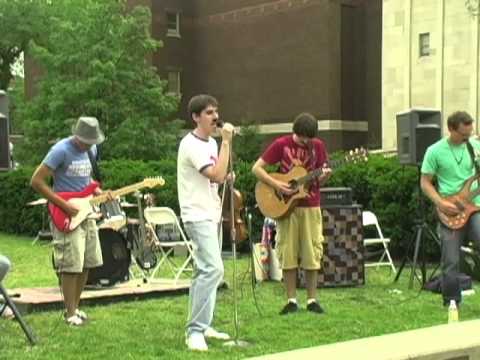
x=99 y=199
x=317 y=172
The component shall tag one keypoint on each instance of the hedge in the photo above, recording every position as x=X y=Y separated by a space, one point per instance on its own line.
x=380 y=184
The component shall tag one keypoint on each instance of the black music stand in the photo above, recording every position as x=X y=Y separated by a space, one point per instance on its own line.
x=8 y=302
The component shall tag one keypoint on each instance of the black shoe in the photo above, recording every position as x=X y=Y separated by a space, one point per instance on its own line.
x=291 y=307
x=315 y=308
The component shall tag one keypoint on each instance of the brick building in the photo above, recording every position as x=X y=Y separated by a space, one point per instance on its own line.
x=268 y=60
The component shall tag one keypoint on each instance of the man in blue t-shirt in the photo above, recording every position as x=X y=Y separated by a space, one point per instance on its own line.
x=75 y=252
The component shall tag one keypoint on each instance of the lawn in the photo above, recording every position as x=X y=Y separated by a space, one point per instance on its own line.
x=154 y=328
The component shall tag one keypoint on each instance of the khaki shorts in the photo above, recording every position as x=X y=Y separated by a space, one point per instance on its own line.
x=300 y=239
x=77 y=250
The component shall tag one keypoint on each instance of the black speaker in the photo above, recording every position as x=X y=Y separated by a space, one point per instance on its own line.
x=4 y=132
x=417 y=129
x=4 y=103
x=425 y=135
x=4 y=144
x=116 y=260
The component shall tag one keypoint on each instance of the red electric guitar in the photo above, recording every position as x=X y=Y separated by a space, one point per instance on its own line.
x=84 y=200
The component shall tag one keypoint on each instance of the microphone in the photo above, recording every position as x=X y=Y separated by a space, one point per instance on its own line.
x=220 y=124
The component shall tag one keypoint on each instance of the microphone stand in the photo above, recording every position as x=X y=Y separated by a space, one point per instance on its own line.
x=236 y=342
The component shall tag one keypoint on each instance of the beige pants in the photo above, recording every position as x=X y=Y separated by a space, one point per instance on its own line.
x=300 y=239
x=77 y=250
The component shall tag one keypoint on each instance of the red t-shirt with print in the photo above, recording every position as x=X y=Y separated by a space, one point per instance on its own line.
x=288 y=153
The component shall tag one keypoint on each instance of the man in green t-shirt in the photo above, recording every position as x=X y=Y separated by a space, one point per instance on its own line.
x=449 y=162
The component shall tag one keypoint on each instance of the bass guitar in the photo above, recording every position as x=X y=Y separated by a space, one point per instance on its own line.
x=464 y=202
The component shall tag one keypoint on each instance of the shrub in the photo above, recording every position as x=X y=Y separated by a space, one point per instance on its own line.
x=381 y=185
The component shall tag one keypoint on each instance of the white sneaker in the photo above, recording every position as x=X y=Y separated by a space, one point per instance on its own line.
x=74 y=321
x=7 y=312
x=211 y=333
x=196 y=342
x=81 y=314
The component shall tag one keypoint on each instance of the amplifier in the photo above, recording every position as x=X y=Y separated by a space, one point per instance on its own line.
x=336 y=196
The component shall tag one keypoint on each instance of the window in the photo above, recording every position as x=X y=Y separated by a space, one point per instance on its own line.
x=174 y=82
x=173 y=24
x=424 y=44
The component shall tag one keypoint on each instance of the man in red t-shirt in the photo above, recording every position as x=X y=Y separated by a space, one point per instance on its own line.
x=299 y=235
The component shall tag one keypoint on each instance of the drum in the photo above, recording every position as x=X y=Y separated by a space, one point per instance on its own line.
x=113 y=216
x=111 y=208
x=116 y=260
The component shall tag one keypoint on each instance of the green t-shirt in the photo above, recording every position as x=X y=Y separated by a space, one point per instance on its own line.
x=451 y=165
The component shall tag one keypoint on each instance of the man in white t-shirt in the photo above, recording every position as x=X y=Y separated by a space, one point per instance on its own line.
x=200 y=168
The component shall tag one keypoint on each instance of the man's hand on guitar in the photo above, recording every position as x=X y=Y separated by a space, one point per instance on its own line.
x=448 y=208
x=107 y=193
x=70 y=209
x=326 y=173
x=284 y=188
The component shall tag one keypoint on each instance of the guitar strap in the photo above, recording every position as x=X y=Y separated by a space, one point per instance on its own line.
x=96 y=171
x=472 y=156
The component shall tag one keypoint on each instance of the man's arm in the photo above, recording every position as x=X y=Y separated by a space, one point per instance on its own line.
x=39 y=184
x=218 y=172
x=426 y=183
x=259 y=170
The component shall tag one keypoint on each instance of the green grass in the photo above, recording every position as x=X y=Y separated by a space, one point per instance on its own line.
x=154 y=329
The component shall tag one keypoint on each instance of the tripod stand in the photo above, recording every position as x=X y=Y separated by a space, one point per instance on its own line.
x=417 y=243
x=8 y=302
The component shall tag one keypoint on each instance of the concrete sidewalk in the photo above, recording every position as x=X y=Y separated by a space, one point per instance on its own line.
x=458 y=341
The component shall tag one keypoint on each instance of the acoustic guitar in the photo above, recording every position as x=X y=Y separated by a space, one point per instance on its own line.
x=84 y=201
x=275 y=205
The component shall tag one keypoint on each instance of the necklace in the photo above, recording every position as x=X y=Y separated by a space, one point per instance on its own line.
x=458 y=161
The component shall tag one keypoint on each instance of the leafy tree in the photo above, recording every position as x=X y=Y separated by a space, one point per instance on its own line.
x=95 y=63
x=20 y=22
x=473 y=7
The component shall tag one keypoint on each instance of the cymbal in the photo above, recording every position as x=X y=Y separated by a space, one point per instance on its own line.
x=41 y=201
x=125 y=204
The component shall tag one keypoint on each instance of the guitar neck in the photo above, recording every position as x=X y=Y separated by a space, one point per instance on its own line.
x=475 y=192
x=116 y=193
x=317 y=172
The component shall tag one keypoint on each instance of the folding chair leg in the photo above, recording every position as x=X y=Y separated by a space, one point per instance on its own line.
x=162 y=260
x=381 y=260
x=182 y=268
x=26 y=329
x=391 y=262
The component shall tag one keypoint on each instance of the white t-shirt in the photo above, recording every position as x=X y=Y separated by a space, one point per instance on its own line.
x=197 y=194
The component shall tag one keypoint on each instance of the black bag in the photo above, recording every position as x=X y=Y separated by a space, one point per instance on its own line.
x=450 y=286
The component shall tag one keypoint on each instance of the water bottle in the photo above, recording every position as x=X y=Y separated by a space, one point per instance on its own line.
x=452 y=312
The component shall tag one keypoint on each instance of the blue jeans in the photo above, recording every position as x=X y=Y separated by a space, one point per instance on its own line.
x=4 y=266
x=452 y=240
x=208 y=274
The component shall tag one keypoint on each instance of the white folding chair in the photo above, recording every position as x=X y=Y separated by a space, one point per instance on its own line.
x=370 y=219
x=164 y=216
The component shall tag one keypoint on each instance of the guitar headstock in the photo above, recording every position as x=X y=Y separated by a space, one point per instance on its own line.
x=357 y=155
x=151 y=182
